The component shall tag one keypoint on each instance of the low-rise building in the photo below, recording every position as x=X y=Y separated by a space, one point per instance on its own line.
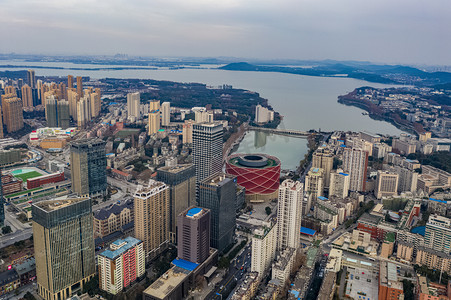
x=283 y=265
x=327 y=289
x=9 y=281
x=428 y=290
x=26 y=271
x=390 y=288
x=44 y=179
x=107 y=221
x=10 y=184
x=247 y=288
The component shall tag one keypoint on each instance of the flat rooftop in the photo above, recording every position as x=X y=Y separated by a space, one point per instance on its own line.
x=167 y=283
x=52 y=205
x=218 y=179
x=175 y=169
x=127 y=244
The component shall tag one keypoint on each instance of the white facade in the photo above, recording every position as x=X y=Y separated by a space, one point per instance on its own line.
x=165 y=113
x=188 y=132
x=263 y=115
x=355 y=163
x=133 y=105
x=339 y=184
x=289 y=212
x=263 y=249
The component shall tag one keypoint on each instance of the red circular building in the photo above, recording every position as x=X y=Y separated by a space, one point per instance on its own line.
x=258 y=173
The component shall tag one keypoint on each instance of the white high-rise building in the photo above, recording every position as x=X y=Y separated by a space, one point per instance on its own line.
x=263 y=248
x=188 y=132
x=165 y=113
x=289 y=212
x=263 y=115
x=438 y=234
x=339 y=184
x=355 y=163
x=133 y=105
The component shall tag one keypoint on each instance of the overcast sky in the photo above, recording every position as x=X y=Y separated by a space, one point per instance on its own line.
x=392 y=31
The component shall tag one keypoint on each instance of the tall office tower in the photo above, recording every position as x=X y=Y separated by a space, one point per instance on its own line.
x=70 y=81
x=73 y=99
x=438 y=234
x=154 y=122
x=218 y=194
x=51 y=111
x=27 y=96
x=88 y=167
x=80 y=86
x=339 y=184
x=84 y=111
x=386 y=184
x=152 y=217
x=314 y=183
x=154 y=105
x=323 y=158
x=133 y=105
x=289 y=211
x=95 y=105
x=193 y=241
x=165 y=113
x=207 y=149
x=2 y=202
x=264 y=243
x=188 y=132
x=181 y=180
x=1 y=123
x=355 y=163
x=63 y=114
x=63 y=246
x=39 y=85
x=31 y=79
x=121 y=264
x=13 y=114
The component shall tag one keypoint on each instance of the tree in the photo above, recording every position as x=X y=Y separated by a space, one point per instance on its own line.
x=268 y=210
x=6 y=229
x=223 y=263
x=29 y=296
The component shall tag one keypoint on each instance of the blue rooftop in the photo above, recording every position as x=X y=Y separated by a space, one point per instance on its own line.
x=184 y=264
x=193 y=211
x=307 y=231
x=322 y=198
x=437 y=200
x=341 y=141
x=316 y=170
x=343 y=146
x=113 y=254
x=420 y=230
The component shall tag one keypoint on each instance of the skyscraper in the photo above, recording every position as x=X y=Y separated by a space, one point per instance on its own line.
x=80 y=86
x=207 y=149
x=57 y=112
x=84 y=111
x=181 y=180
x=31 y=79
x=152 y=217
x=165 y=113
x=438 y=234
x=1 y=123
x=95 y=104
x=63 y=246
x=193 y=241
x=27 y=96
x=2 y=202
x=70 y=81
x=154 y=105
x=339 y=184
x=355 y=163
x=13 y=114
x=73 y=99
x=154 y=122
x=188 y=132
x=133 y=104
x=88 y=167
x=218 y=194
x=289 y=211
x=314 y=183
x=323 y=158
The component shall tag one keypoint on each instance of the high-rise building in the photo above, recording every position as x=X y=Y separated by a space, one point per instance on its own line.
x=355 y=163
x=70 y=81
x=323 y=158
x=438 y=234
x=2 y=202
x=12 y=114
x=289 y=212
x=63 y=246
x=88 y=167
x=57 y=112
x=188 y=132
x=10 y=90
x=80 y=86
x=193 y=241
x=73 y=99
x=154 y=105
x=133 y=105
x=408 y=179
x=154 y=122
x=181 y=180
x=121 y=264
x=314 y=183
x=84 y=111
x=264 y=243
x=27 y=96
x=95 y=104
x=152 y=217
x=202 y=116
x=386 y=184
x=218 y=194
x=207 y=149
x=165 y=113
x=1 y=123
x=31 y=79
x=263 y=114
x=339 y=184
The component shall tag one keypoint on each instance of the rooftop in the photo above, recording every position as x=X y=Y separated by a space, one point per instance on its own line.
x=118 y=247
x=52 y=205
x=175 y=169
x=167 y=283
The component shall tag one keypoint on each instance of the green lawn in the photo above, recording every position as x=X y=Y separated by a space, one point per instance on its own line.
x=27 y=175
x=22 y=192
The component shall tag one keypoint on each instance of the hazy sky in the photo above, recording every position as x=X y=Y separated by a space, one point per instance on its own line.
x=393 y=31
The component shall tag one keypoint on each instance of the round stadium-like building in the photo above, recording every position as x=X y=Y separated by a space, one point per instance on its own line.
x=258 y=173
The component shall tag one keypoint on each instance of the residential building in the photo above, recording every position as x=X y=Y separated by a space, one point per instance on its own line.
x=31 y=78
x=152 y=217
x=433 y=259
x=114 y=218
x=80 y=86
x=165 y=113
x=57 y=112
x=438 y=234
x=12 y=114
x=2 y=200
x=133 y=105
x=154 y=122
x=64 y=246
x=193 y=239
x=339 y=184
x=314 y=182
x=187 y=132
x=88 y=167
x=323 y=158
x=386 y=184
x=247 y=288
x=404 y=146
x=263 y=248
x=283 y=264
x=207 y=149
x=121 y=264
x=263 y=115
x=218 y=194
x=70 y=81
x=27 y=96
x=9 y=281
x=355 y=163
x=289 y=212
x=84 y=114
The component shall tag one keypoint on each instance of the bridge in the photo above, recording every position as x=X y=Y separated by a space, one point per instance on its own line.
x=289 y=132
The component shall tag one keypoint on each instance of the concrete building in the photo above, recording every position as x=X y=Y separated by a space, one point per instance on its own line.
x=218 y=194
x=289 y=212
x=112 y=219
x=165 y=113
x=64 y=246
x=405 y=251
x=57 y=112
x=283 y=264
x=355 y=163
x=404 y=146
x=193 y=239
x=339 y=184
x=84 y=114
x=187 y=132
x=207 y=149
x=31 y=78
x=390 y=288
x=323 y=158
x=70 y=81
x=152 y=217
x=263 y=115
x=314 y=182
x=181 y=180
x=133 y=105
x=386 y=184
x=88 y=167
x=154 y=122
x=438 y=234
x=433 y=259
x=27 y=96
x=121 y=264
x=263 y=248
x=247 y=288
x=12 y=114
x=408 y=179
x=80 y=86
